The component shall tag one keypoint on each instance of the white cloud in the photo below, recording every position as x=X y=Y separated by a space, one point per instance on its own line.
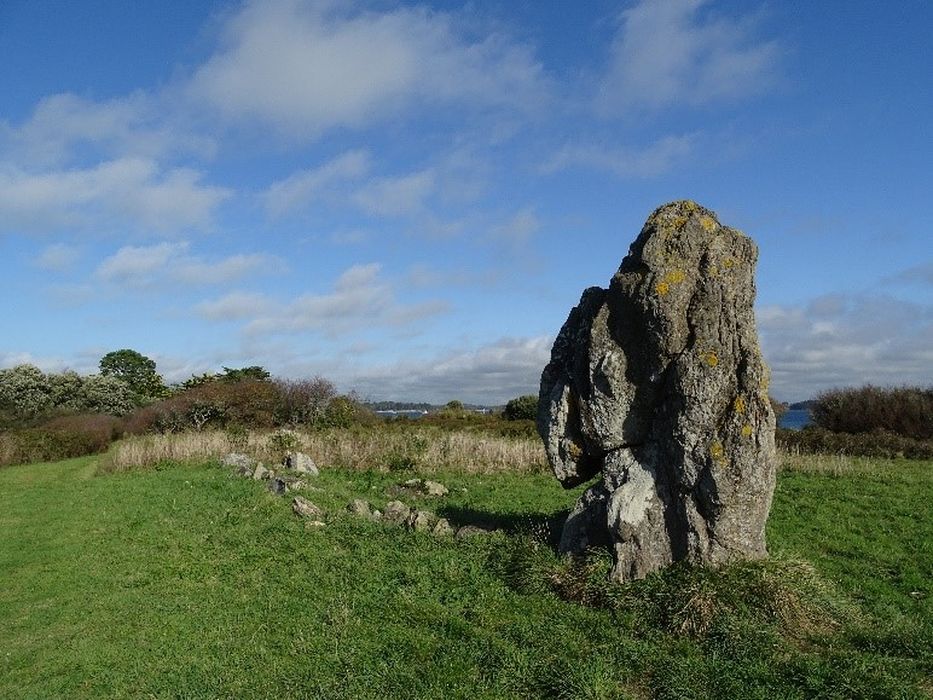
x=490 y=374
x=839 y=340
x=651 y=161
x=143 y=266
x=921 y=275
x=361 y=299
x=301 y=188
x=405 y=195
x=57 y=257
x=519 y=229
x=305 y=67
x=126 y=192
x=668 y=52
x=234 y=306
x=136 y=125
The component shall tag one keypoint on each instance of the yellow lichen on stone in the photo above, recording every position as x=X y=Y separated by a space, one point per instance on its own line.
x=728 y=263
x=675 y=276
x=717 y=452
x=574 y=451
x=711 y=358
x=746 y=430
x=739 y=405
x=708 y=223
x=679 y=222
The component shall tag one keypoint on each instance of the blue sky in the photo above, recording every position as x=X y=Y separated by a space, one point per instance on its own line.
x=408 y=198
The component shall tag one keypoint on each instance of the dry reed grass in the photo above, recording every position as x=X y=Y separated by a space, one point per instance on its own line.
x=425 y=450
x=830 y=464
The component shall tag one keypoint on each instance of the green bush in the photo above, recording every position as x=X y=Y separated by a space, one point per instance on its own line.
x=521 y=408
x=906 y=411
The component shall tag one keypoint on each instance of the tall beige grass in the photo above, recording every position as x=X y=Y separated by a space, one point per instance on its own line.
x=425 y=450
x=831 y=464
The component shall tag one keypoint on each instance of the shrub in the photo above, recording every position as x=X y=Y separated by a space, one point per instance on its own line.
x=816 y=440
x=303 y=401
x=61 y=438
x=906 y=411
x=521 y=408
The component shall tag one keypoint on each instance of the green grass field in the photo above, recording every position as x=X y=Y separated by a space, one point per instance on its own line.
x=187 y=582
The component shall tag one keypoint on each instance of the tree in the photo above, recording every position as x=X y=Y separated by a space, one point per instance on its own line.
x=522 y=408
x=254 y=372
x=134 y=369
x=107 y=394
x=25 y=392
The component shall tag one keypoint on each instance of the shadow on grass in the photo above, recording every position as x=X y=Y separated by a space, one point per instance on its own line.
x=545 y=527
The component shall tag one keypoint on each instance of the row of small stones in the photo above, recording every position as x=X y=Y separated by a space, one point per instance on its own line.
x=396 y=512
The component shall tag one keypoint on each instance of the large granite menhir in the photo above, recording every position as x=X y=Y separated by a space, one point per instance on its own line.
x=657 y=386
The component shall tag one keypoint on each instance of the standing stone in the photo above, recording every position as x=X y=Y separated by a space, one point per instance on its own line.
x=657 y=386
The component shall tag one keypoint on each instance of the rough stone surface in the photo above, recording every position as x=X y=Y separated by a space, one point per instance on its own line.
x=306 y=509
x=657 y=386
x=277 y=485
x=301 y=463
x=238 y=460
x=420 y=487
x=434 y=488
x=421 y=520
x=442 y=528
x=468 y=531
x=396 y=512
x=362 y=508
x=262 y=473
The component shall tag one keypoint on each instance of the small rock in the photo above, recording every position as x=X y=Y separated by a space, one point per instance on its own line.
x=442 y=528
x=468 y=531
x=311 y=524
x=396 y=512
x=360 y=507
x=421 y=487
x=301 y=463
x=420 y=520
x=277 y=485
x=433 y=488
x=262 y=473
x=244 y=470
x=306 y=509
x=298 y=485
x=238 y=460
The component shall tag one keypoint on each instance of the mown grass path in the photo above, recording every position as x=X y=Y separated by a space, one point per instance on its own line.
x=186 y=582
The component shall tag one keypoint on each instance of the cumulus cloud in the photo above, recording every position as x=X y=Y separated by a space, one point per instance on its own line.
x=57 y=257
x=361 y=299
x=129 y=192
x=842 y=340
x=670 y=52
x=405 y=195
x=143 y=266
x=302 y=187
x=235 y=306
x=137 y=125
x=651 y=161
x=305 y=67
x=488 y=374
